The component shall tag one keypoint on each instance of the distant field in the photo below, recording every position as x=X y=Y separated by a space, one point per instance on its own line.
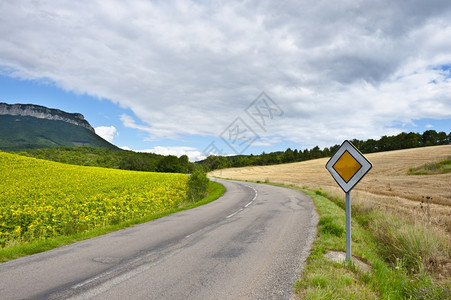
x=387 y=185
x=42 y=199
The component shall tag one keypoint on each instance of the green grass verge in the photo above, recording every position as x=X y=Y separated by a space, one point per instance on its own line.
x=392 y=275
x=441 y=167
x=214 y=191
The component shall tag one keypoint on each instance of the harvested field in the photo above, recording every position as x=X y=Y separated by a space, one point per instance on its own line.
x=420 y=198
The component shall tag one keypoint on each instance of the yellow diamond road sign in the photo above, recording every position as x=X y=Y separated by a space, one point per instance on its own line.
x=348 y=166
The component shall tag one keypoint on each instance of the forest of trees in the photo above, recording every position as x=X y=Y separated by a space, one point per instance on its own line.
x=385 y=143
x=116 y=159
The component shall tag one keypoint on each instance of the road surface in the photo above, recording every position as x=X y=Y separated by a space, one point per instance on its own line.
x=249 y=244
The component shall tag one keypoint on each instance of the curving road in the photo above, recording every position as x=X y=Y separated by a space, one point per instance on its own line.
x=249 y=244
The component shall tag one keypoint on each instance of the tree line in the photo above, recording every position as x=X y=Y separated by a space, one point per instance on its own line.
x=150 y=162
x=385 y=143
x=115 y=159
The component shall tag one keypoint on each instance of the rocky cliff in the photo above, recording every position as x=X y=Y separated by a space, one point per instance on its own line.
x=42 y=112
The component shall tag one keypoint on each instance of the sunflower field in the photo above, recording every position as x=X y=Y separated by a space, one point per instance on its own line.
x=41 y=199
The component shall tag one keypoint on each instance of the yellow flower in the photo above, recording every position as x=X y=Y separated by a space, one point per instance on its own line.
x=44 y=196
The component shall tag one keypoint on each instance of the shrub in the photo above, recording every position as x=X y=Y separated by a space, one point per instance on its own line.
x=197 y=185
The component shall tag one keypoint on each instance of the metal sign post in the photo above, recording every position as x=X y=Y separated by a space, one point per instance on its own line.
x=348 y=226
x=347 y=166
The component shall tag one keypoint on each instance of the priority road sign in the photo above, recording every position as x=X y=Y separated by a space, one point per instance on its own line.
x=348 y=166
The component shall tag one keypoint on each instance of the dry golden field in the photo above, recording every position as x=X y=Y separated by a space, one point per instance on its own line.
x=386 y=186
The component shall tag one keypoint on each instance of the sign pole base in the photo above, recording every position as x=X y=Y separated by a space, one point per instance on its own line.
x=348 y=226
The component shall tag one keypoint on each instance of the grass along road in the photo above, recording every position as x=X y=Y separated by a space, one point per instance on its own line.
x=375 y=237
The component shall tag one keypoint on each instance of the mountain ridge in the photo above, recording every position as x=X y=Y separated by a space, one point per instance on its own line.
x=30 y=126
x=42 y=112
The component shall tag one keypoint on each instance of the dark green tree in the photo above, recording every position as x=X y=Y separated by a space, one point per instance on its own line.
x=288 y=156
x=169 y=164
x=184 y=163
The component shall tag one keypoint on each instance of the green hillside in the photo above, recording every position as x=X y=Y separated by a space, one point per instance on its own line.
x=23 y=132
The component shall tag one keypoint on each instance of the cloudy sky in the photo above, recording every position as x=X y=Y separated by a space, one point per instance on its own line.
x=200 y=77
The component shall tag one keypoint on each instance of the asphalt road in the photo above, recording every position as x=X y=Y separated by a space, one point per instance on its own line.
x=249 y=244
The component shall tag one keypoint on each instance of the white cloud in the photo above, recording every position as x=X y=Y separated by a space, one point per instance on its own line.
x=107 y=132
x=178 y=151
x=352 y=69
x=192 y=153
